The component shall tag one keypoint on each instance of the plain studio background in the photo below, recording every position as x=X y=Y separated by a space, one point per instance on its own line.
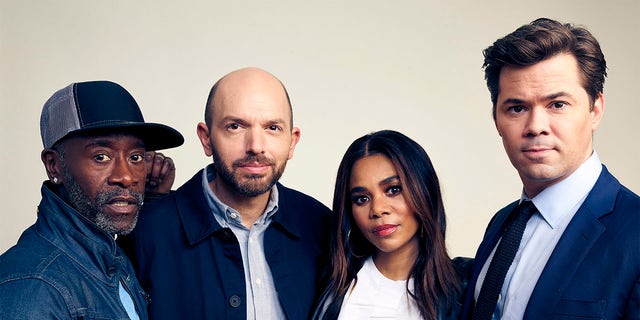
x=351 y=67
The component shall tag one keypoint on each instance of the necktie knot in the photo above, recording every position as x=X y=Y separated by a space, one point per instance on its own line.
x=527 y=208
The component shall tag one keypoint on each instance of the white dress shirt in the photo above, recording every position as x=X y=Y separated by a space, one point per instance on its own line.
x=374 y=296
x=557 y=205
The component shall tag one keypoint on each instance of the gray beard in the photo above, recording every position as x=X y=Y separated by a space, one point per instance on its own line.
x=92 y=210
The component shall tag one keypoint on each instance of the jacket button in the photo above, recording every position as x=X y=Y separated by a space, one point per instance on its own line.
x=111 y=271
x=234 y=301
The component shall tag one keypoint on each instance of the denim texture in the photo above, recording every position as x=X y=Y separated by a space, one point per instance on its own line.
x=65 y=267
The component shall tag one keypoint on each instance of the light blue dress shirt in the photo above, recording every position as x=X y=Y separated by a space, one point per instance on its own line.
x=127 y=303
x=557 y=204
x=262 y=297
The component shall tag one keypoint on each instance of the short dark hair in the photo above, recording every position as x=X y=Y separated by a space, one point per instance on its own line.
x=541 y=39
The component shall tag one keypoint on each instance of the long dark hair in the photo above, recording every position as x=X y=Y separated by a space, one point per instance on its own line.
x=435 y=279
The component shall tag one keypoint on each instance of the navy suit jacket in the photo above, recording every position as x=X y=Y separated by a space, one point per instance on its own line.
x=192 y=267
x=594 y=270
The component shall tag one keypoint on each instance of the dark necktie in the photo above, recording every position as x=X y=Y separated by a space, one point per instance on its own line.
x=502 y=259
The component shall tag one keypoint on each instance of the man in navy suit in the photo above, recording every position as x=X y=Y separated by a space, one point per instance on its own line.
x=579 y=257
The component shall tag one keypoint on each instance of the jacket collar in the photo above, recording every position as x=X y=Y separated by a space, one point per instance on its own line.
x=75 y=235
x=198 y=222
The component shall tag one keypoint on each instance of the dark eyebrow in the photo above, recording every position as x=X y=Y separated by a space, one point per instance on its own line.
x=389 y=180
x=357 y=189
x=557 y=95
x=513 y=101
x=385 y=181
x=551 y=96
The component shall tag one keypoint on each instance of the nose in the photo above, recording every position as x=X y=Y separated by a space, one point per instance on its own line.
x=379 y=207
x=255 y=141
x=124 y=173
x=537 y=122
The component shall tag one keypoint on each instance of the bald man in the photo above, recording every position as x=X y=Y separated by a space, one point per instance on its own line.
x=232 y=242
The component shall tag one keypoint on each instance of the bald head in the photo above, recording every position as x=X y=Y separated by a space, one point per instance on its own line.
x=251 y=82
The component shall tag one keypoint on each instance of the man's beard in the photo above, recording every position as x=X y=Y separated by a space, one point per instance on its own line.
x=254 y=187
x=93 y=211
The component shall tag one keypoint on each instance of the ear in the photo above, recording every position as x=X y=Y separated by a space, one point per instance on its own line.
x=295 y=137
x=597 y=112
x=495 y=119
x=205 y=138
x=53 y=165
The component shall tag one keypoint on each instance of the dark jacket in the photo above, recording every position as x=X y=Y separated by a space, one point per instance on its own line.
x=594 y=270
x=192 y=267
x=65 y=267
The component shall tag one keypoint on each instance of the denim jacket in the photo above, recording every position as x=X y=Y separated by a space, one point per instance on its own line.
x=65 y=267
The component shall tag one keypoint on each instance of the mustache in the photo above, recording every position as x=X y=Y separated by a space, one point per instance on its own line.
x=106 y=197
x=253 y=159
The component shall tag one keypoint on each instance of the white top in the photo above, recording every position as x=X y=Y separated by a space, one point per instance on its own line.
x=557 y=204
x=376 y=297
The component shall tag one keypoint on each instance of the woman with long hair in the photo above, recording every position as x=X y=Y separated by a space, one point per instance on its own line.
x=388 y=253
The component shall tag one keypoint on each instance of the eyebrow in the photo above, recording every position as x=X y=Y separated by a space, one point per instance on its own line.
x=386 y=181
x=551 y=96
x=243 y=121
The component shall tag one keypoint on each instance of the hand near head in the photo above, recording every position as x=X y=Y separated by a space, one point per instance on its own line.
x=161 y=173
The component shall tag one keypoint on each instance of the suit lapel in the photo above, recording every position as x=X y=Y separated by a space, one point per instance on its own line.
x=581 y=234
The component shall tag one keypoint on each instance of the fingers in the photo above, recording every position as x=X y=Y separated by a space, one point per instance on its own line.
x=160 y=172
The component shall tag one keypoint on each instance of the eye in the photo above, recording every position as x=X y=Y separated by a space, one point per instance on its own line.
x=515 y=109
x=137 y=158
x=101 y=157
x=274 y=127
x=393 y=190
x=233 y=126
x=359 y=199
x=558 y=105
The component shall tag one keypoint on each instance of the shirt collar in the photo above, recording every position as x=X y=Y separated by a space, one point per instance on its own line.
x=226 y=215
x=559 y=199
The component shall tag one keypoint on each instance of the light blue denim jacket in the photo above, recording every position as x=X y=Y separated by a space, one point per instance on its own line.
x=65 y=267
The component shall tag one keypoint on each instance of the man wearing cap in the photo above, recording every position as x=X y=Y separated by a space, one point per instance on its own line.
x=67 y=265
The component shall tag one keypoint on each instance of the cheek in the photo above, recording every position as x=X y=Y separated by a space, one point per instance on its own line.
x=140 y=173
x=89 y=184
x=361 y=218
x=282 y=149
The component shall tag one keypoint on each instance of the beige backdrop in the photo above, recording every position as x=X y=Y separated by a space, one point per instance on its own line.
x=351 y=67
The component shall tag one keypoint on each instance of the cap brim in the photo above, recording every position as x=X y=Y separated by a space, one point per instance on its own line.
x=155 y=136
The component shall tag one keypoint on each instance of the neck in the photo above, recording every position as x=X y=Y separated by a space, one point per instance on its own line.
x=397 y=265
x=249 y=208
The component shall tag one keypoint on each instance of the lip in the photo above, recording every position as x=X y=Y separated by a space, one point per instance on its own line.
x=384 y=230
x=254 y=167
x=122 y=205
x=536 y=152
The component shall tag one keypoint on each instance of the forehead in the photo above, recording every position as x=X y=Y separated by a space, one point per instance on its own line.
x=373 y=168
x=558 y=73
x=251 y=96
